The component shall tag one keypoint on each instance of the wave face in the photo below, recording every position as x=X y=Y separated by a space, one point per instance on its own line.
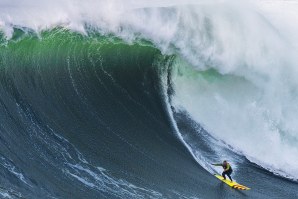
x=112 y=100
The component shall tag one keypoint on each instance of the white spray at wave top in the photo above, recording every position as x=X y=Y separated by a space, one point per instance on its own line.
x=253 y=44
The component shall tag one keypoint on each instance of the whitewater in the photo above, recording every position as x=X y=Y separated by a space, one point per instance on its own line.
x=212 y=80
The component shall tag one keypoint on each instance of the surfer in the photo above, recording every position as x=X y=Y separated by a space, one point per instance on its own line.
x=227 y=169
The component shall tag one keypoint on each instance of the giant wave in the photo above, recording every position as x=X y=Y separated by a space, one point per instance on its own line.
x=110 y=95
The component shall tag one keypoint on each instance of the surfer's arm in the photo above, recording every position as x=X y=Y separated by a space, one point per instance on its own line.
x=217 y=164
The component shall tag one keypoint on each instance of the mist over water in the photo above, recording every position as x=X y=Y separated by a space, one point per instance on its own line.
x=238 y=77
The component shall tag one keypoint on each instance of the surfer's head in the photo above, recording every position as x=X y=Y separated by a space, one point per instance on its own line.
x=224 y=162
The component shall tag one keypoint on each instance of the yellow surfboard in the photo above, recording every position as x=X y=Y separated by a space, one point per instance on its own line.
x=232 y=184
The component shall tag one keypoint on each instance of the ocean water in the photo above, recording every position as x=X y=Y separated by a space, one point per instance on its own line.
x=136 y=99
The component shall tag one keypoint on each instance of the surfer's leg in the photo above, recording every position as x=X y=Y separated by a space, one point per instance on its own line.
x=229 y=175
x=224 y=174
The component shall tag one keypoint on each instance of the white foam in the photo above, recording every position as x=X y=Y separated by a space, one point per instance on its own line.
x=236 y=111
x=101 y=180
x=5 y=195
x=13 y=169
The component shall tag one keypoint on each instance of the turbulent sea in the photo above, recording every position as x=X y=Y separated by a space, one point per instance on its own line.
x=136 y=99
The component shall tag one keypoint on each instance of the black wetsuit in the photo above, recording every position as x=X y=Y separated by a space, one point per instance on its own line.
x=227 y=172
